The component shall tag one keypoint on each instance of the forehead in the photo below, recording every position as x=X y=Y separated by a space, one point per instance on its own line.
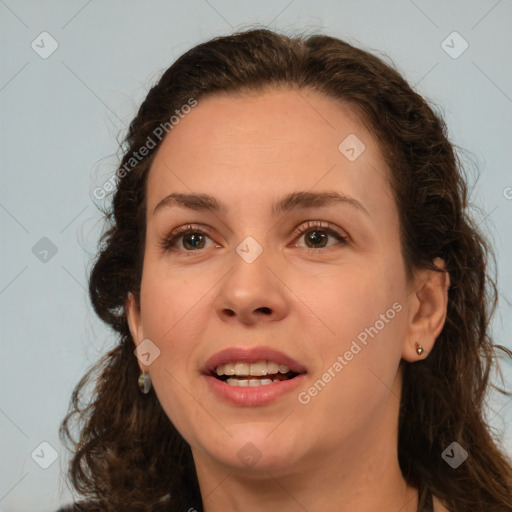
x=259 y=142
x=274 y=119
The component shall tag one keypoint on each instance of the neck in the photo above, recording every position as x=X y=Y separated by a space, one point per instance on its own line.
x=324 y=487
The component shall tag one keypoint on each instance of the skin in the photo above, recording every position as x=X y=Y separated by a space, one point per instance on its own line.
x=338 y=452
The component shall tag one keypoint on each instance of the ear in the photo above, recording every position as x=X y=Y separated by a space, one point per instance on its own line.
x=133 y=317
x=427 y=308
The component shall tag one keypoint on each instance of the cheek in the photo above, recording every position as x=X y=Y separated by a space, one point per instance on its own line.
x=363 y=310
x=351 y=299
x=355 y=388
x=174 y=310
x=170 y=302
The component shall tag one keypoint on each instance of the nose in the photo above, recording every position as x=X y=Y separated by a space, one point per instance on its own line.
x=252 y=292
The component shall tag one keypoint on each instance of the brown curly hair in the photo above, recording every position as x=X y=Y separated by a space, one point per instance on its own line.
x=128 y=456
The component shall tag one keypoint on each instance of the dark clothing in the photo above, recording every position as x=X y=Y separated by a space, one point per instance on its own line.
x=82 y=506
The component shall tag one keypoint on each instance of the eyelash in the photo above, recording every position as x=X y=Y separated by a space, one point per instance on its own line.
x=167 y=243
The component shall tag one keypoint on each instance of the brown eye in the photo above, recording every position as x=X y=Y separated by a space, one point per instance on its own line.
x=317 y=234
x=192 y=239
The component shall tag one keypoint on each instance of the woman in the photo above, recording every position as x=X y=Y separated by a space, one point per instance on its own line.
x=301 y=299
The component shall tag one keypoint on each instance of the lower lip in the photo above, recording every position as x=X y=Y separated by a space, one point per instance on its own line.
x=255 y=395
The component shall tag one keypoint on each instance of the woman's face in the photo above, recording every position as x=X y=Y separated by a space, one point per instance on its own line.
x=321 y=281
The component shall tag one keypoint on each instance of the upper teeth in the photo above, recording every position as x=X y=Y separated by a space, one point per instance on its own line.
x=259 y=368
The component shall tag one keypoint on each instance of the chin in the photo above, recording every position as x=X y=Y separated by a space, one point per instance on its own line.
x=254 y=451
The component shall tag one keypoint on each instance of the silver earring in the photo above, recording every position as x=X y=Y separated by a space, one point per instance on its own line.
x=144 y=382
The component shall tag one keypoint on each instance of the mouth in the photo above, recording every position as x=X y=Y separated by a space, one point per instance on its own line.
x=252 y=376
x=260 y=373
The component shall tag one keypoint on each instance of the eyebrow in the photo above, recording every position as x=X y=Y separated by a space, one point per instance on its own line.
x=292 y=201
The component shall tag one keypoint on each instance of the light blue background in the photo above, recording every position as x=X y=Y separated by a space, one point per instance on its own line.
x=61 y=118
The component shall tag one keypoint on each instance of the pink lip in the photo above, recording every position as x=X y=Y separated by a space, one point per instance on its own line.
x=253 y=396
x=244 y=355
